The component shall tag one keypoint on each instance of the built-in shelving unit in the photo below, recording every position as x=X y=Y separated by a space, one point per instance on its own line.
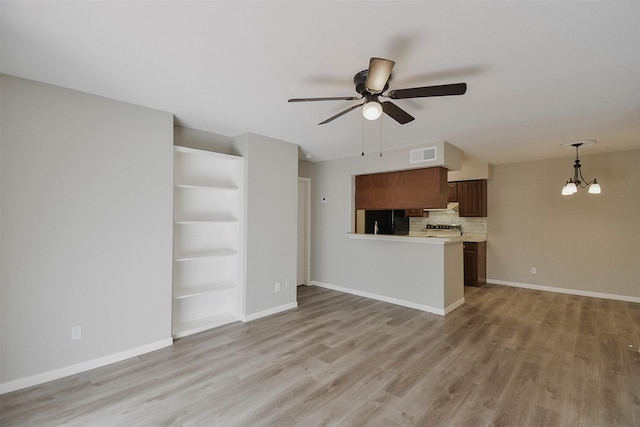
x=207 y=248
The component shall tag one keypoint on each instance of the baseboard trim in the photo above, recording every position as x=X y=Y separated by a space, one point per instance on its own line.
x=390 y=300
x=269 y=312
x=453 y=306
x=83 y=366
x=565 y=291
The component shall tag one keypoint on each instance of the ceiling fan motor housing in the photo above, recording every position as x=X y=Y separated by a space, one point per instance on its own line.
x=360 y=79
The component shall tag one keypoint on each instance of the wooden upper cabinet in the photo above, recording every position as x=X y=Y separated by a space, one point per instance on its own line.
x=411 y=189
x=453 y=192
x=472 y=196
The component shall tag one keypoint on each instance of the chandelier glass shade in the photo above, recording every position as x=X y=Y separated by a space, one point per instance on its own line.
x=578 y=180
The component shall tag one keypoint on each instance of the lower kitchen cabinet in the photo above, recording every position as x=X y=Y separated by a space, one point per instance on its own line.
x=475 y=263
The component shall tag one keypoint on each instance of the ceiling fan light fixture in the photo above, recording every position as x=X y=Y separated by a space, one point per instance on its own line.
x=372 y=110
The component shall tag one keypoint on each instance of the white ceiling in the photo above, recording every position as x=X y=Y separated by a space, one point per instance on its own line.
x=539 y=73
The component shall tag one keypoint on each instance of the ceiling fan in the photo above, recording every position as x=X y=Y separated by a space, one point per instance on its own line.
x=372 y=83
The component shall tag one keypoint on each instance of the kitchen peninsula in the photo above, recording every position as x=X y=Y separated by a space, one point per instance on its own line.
x=419 y=272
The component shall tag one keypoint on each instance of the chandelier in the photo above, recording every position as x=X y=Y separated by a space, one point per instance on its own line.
x=578 y=180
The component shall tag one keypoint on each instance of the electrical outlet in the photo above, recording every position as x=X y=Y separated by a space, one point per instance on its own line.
x=76 y=332
x=277 y=287
x=533 y=270
x=287 y=284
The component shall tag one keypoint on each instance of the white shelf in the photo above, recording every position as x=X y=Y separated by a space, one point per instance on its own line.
x=216 y=254
x=207 y=221
x=208 y=214
x=205 y=187
x=187 y=328
x=199 y=290
x=206 y=154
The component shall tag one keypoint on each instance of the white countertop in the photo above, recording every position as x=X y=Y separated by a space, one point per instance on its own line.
x=410 y=239
x=420 y=238
x=474 y=237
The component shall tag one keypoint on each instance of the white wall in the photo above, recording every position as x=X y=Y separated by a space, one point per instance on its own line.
x=471 y=171
x=582 y=243
x=271 y=206
x=86 y=223
x=201 y=140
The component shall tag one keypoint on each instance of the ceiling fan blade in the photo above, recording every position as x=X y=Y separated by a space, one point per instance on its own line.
x=332 y=98
x=426 y=91
x=378 y=74
x=341 y=113
x=396 y=113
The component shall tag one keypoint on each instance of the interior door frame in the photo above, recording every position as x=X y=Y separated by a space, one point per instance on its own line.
x=306 y=182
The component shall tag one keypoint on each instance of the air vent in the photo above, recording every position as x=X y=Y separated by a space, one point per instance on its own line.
x=422 y=155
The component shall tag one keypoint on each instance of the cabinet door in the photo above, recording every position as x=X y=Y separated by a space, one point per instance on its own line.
x=481 y=252
x=472 y=196
x=470 y=257
x=453 y=192
x=475 y=263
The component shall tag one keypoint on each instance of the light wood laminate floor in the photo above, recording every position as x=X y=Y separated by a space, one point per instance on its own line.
x=507 y=357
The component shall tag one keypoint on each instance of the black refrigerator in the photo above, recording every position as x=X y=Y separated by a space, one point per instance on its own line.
x=389 y=221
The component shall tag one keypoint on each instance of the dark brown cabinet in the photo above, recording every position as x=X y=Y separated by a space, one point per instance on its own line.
x=453 y=192
x=416 y=188
x=471 y=196
x=475 y=263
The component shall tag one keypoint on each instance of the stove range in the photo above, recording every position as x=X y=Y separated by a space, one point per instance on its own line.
x=443 y=230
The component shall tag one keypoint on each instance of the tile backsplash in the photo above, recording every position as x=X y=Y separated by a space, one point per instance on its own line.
x=469 y=225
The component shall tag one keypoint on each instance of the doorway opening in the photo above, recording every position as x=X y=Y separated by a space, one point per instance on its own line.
x=304 y=227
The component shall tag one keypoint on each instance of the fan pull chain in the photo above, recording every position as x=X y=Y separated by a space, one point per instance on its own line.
x=362 y=135
x=381 y=136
